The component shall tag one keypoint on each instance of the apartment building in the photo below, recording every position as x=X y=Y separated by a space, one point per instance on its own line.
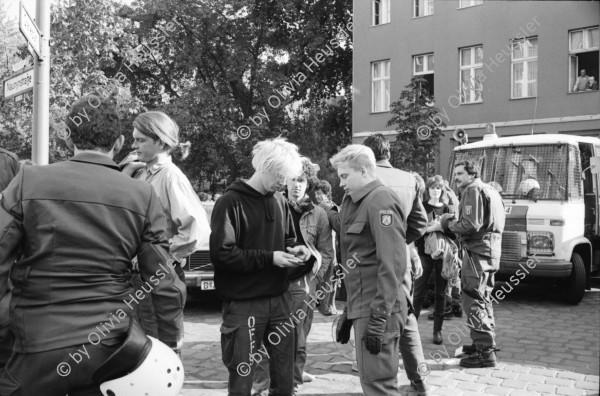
x=517 y=64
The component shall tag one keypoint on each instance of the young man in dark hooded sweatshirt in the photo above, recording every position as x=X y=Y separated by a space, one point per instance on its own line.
x=252 y=246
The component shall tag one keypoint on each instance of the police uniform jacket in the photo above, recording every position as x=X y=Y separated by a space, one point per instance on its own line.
x=481 y=220
x=372 y=227
x=76 y=226
x=405 y=186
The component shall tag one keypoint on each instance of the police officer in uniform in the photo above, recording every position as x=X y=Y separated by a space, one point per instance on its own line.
x=405 y=185
x=373 y=232
x=479 y=228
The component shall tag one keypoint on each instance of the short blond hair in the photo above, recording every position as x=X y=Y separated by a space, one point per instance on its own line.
x=277 y=156
x=357 y=156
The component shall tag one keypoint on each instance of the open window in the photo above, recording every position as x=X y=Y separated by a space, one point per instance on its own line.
x=423 y=66
x=583 y=60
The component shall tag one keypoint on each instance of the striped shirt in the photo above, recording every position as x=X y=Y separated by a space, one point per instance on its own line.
x=188 y=229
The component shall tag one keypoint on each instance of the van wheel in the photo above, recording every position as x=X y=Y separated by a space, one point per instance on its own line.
x=576 y=281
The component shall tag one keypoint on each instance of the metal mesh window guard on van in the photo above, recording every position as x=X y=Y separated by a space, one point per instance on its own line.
x=522 y=172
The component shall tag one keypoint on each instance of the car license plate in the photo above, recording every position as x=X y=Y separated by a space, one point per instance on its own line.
x=207 y=285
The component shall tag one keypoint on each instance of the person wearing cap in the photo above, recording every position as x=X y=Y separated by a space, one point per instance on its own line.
x=74 y=227
x=156 y=143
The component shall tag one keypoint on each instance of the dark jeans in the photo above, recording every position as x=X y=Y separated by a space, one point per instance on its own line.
x=430 y=265
x=253 y=330
x=29 y=374
x=300 y=298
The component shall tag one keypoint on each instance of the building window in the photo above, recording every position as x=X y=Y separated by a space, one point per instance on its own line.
x=583 y=60
x=423 y=8
x=469 y=3
x=380 y=86
x=471 y=74
x=381 y=12
x=423 y=66
x=524 y=56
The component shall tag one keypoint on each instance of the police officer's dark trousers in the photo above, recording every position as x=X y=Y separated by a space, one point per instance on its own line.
x=477 y=277
x=378 y=372
x=247 y=325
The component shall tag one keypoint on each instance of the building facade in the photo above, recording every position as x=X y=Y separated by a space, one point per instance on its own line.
x=517 y=64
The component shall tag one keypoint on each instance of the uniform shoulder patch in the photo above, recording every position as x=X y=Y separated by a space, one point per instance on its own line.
x=468 y=209
x=386 y=218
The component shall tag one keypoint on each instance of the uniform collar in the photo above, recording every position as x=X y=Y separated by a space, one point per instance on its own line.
x=384 y=164
x=361 y=192
x=159 y=165
x=96 y=159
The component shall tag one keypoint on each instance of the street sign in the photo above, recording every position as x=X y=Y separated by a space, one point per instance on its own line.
x=20 y=65
x=30 y=30
x=18 y=84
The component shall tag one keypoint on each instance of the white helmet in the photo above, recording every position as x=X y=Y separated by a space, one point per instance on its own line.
x=161 y=374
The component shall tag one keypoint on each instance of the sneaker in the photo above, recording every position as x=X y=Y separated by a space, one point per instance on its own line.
x=480 y=359
x=437 y=337
x=420 y=387
x=355 y=366
x=307 y=377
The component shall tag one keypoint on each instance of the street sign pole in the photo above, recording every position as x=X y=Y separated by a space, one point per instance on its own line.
x=41 y=89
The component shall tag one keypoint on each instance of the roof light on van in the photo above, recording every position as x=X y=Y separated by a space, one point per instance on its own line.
x=490 y=132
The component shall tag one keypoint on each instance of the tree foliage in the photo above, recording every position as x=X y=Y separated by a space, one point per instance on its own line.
x=213 y=66
x=418 y=124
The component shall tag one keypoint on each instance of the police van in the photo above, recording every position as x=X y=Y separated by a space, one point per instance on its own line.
x=549 y=185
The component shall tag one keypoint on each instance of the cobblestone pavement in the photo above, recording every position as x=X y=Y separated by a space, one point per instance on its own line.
x=547 y=348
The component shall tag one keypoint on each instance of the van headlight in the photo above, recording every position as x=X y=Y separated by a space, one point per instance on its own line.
x=540 y=243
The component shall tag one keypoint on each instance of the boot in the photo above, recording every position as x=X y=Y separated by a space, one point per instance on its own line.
x=437 y=337
x=420 y=387
x=480 y=359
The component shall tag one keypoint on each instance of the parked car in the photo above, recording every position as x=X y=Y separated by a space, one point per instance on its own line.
x=199 y=271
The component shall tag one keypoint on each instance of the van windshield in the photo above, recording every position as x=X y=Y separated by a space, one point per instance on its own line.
x=534 y=172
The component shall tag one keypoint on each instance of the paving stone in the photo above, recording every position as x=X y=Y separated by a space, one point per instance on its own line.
x=544 y=372
x=505 y=374
x=569 y=391
x=586 y=385
x=544 y=389
x=570 y=375
x=510 y=383
x=470 y=386
x=497 y=390
x=539 y=379
x=560 y=382
x=518 y=369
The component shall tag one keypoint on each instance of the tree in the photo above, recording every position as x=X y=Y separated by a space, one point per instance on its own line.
x=418 y=124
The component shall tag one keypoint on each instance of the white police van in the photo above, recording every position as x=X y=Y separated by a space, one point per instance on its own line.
x=550 y=185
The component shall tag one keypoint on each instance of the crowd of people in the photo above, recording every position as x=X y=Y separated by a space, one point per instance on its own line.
x=87 y=245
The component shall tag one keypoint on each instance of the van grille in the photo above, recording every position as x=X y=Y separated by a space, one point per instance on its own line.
x=200 y=260
x=511 y=245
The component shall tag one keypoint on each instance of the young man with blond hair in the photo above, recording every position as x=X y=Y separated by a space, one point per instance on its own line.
x=252 y=246
x=374 y=235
